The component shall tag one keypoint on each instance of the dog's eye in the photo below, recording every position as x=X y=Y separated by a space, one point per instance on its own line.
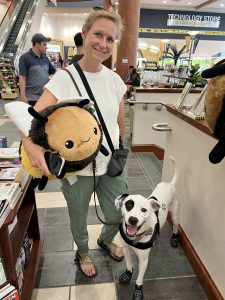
x=69 y=144
x=129 y=205
x=95 y=130
x=143 y=209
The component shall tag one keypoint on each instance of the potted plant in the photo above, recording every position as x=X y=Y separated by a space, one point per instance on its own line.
x=174 y=53
x=194 y=74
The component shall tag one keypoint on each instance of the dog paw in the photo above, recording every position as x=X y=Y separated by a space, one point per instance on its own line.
x=125 y=277
x=174 y=240
x=138 y=293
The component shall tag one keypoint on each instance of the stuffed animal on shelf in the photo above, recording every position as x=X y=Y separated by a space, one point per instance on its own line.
x=215 y=108
x=68 y=131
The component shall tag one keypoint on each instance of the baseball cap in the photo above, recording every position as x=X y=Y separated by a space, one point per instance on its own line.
x=40 y=38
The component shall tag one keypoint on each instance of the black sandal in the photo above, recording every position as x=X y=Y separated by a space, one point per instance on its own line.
x=80 y=260
x=108 y=250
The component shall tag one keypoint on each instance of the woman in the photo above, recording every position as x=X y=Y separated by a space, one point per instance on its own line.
x=100 y=31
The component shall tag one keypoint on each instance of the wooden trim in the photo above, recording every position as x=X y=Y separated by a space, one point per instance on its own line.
x=165 y=90
x=158 y=151
x=199 y=124
x=201 y=272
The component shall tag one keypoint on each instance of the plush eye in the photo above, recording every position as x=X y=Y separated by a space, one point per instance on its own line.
x=69 y=144
x=144 y=210
x=129 y=205
x=95 y=130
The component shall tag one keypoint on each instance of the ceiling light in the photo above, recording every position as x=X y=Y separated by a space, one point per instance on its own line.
x=189 y=3
x=193 y=33
x=165 y=2
x=221 y=4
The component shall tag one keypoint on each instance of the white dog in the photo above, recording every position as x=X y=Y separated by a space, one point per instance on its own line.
x=140 y=227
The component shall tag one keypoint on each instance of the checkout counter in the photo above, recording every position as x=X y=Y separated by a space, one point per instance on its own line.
x=144 y=115
x=201 y=188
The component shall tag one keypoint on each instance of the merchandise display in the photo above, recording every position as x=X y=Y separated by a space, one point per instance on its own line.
x=8 y=81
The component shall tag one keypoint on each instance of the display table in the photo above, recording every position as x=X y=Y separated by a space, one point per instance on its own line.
x=201 y=189
x=144 y=138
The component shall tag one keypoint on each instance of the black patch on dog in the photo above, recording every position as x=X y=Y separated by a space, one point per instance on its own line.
x=129 y=205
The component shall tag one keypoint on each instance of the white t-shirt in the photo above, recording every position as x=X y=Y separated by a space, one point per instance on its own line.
x=108 y=90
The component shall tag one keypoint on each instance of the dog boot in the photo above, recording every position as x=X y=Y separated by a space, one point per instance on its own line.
x=138 y=293
x=125 y=277
x=174 y=240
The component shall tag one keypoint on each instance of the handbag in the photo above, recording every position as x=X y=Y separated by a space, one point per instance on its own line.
x=117 y=162
x=119 y=156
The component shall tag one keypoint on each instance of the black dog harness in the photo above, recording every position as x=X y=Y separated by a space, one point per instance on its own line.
x=140 y=245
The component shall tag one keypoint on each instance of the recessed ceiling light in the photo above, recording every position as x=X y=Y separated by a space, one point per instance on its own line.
x=189 y=3
x=221 y=4
x=165 y=2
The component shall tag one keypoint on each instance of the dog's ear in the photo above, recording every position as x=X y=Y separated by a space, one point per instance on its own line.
x=155 y=205
x=119 y=200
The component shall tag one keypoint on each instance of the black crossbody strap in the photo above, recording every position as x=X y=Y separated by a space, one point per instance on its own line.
x=74 y=82
x=89 y=91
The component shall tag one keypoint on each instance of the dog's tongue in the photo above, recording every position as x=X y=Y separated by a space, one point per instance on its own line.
x=131 y=230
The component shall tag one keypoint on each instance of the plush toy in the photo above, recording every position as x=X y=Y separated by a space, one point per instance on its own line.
x=215 y=108
x=68 y=131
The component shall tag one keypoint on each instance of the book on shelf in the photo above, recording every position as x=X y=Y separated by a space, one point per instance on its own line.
x=8 y=173
x=22 y=177
x=10 y=162
x=9 y=293
x=2 y=273
x=183 y=95
x=11 y=192
x=4 y=210
x=27 y=249
x=9 y=152
x=3 y=142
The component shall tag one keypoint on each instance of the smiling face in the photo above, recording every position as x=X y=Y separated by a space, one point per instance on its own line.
x=99 y=39
x=76 y=134
x=136 y=209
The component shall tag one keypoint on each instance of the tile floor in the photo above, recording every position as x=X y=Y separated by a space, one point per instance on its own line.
x=168 y=276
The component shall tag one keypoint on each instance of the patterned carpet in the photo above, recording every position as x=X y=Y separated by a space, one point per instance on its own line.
x=168 y=276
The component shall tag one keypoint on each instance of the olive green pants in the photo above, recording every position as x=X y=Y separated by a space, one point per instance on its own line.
x=78 y=197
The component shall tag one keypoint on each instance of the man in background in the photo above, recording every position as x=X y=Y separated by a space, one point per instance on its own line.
x=34 y=70
x=78 y=41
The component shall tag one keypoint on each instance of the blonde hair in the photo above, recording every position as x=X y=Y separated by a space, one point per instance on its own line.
x=102 y=13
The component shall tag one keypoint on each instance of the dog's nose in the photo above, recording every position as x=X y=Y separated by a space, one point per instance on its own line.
x=133 y=221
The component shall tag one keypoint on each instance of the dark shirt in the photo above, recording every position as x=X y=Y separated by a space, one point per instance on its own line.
x=76 y=58
x=36 y=70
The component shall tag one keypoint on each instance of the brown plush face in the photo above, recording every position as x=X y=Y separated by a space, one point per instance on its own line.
x=214 y=96
x=76 y=136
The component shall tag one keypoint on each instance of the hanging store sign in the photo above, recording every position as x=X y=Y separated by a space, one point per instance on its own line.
x=193 y=20
x=180 y=31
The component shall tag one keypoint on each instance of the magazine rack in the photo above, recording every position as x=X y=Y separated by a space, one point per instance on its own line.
x=11 y=243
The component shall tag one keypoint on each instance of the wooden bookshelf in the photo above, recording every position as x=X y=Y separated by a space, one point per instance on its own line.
x=10 y=244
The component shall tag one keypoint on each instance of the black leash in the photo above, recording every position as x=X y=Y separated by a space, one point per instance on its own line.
x=96 y=210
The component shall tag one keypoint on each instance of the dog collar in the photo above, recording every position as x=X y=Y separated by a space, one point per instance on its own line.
x=140 y=245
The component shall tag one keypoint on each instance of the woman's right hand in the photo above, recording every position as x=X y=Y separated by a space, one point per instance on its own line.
x=36 y=155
